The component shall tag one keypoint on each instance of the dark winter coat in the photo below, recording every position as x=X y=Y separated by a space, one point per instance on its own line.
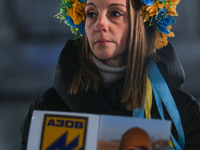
x=107 y=99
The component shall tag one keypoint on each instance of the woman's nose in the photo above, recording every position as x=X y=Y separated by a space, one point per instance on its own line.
x=101 y=24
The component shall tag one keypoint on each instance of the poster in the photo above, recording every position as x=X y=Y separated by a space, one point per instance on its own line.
x=52 y=130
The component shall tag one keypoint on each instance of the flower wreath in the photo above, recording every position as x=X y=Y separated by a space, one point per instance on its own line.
x=157 y=12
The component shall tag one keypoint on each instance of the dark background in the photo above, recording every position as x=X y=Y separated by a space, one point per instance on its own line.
x=30 y=43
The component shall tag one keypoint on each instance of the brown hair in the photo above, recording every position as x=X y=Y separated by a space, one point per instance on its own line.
x=140 y=49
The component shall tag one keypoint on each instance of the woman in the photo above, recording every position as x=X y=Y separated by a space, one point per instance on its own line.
x=111 y=69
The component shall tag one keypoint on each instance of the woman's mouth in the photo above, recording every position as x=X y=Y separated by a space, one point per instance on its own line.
x=102 y=42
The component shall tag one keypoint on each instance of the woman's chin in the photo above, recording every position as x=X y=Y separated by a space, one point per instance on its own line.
x=103 y=56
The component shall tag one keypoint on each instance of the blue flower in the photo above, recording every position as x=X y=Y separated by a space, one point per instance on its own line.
x=70 y=21
x=150 y=2
x=81 y=28
x=163 y=20
x=82 y=1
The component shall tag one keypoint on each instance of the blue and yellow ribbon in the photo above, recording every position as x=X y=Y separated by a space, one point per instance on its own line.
x=156 y=85
x=163 y=96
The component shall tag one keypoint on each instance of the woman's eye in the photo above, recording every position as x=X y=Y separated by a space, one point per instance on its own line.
x=91 y=14
x=115 y=13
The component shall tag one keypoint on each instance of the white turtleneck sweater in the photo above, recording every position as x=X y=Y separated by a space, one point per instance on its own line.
x=109 y=73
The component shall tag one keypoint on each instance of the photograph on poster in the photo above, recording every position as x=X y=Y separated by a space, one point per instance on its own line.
x=126 y=133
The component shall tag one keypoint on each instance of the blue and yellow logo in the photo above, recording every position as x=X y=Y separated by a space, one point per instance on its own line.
x=61 y=132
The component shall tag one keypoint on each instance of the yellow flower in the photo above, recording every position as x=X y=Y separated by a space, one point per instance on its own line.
x=171 y=10
x=77 y=12
x=171 y=7
x=161 y=38
x=149 y=11
x=174 y=2
x=160 y=5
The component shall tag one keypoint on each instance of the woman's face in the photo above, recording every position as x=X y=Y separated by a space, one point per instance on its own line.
x=107 y=29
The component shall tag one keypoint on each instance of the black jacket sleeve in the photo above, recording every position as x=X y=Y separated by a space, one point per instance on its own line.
x=51 y=101
x=189 y=109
